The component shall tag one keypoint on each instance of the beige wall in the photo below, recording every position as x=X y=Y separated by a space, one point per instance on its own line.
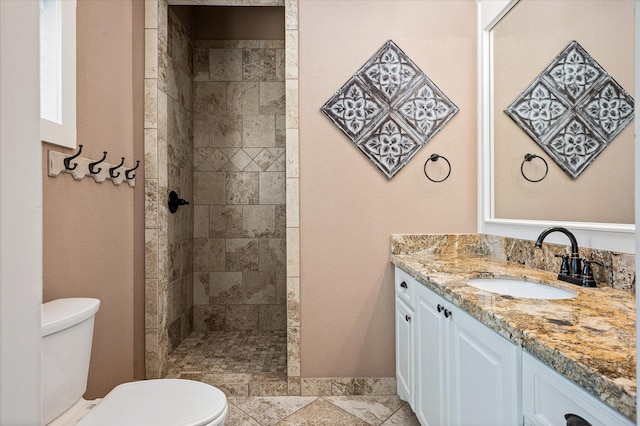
x=348 y=208
x=89 y=230
x=526 y=41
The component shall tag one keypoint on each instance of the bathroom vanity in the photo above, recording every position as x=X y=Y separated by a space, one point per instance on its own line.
x=465 y=355
x=452 y=353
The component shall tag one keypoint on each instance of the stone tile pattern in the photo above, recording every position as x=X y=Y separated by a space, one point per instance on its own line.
x=573 y=109
x=320 y=411
x=618 y=271
x=155 y=174
x=179 y=75
x=168 y=138
x=253 y=351
x=292 y=174
x=389 y=109
x=239 y=264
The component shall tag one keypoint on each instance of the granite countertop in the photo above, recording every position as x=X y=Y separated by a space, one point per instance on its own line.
x=590 y=339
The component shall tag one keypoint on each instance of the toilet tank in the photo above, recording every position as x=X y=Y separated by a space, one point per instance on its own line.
x=67 y=333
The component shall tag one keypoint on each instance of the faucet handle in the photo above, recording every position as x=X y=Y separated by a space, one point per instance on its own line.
x=564 y=266
x=587 y=274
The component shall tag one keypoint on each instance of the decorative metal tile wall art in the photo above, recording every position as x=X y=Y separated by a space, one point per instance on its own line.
x=389 y=109
x=573 y=109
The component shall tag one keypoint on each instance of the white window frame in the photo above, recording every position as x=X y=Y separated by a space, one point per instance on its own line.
x=62 y=131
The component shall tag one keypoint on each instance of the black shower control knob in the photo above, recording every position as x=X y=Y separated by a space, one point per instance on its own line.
x=175 y=201
x=403 y=284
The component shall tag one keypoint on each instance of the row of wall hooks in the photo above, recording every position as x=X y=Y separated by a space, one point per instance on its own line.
x=80 y=167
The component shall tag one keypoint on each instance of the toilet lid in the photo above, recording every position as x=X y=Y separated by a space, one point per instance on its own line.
x=158 y=402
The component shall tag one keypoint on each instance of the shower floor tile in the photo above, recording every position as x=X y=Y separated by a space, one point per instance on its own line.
x=241 y=363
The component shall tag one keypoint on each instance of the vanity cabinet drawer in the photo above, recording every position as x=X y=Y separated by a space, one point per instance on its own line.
x=548 y=397
x=405 y=287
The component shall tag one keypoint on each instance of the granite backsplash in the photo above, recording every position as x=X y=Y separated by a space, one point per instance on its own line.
x=618 y=271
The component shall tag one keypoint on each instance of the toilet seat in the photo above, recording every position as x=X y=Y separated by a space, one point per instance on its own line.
x=170 y=402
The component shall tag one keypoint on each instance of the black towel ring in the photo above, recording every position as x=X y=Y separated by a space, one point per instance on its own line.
x=529 y=157
x=435 y=157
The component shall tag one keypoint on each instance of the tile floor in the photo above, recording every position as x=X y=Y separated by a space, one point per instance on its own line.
x=320 y=411
x=250 y=367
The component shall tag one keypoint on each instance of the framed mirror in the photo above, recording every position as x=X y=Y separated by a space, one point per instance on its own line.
x=509 y=60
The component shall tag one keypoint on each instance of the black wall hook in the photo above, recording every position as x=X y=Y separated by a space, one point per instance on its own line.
x=113 y=169
x=434 y=158
x=92 y=166
x=68 y=159
x=128 y=173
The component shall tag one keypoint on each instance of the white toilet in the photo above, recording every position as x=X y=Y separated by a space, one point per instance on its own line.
x=67 y=332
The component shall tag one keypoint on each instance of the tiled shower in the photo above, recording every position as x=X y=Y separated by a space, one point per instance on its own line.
x=226 y=156
x=239 y=186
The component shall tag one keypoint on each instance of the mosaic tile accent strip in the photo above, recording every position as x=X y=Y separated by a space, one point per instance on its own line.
x=389 y=109
x=573 y=109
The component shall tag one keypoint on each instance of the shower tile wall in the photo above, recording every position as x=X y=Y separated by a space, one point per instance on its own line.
x=179 y=89
x=239 y=264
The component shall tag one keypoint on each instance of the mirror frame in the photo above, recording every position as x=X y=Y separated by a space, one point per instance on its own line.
x=606 y=236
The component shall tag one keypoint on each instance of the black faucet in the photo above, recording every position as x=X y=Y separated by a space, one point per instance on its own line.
x=574 y=274
x=575 y=261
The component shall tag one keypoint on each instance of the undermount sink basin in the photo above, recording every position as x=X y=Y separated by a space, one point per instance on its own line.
x=518 y=288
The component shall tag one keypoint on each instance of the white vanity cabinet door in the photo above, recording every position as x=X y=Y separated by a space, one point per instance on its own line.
x=404 y=352
x=431 y=360
x=548 y=396
x=466 y=374
x=485 y=375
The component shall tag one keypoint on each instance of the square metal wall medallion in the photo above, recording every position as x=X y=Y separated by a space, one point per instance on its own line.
x=389 y=109
x=573 y=109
